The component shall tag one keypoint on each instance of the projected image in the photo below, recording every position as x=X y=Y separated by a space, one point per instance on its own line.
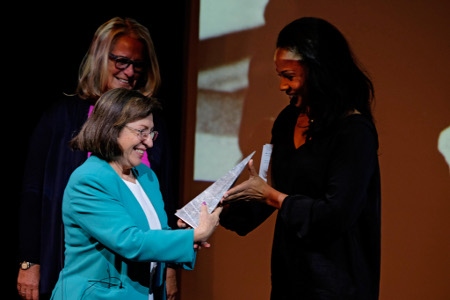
x=238 y=97
x=222 y=82
x=444 y=145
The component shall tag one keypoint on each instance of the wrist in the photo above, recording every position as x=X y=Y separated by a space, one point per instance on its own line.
x=25 y=265
x=172 y=266
x=276 y=198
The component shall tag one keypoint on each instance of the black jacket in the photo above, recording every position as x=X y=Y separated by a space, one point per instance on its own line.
x=326 y=242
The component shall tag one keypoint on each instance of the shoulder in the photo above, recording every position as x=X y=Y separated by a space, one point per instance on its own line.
x=93 y=169
x=358 y=128
x=357 y=122
x=94 y=177
x=66 y=100
x=68 y=106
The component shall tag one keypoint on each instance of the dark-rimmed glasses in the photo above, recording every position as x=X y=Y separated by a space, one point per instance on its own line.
x=123 y=62
x=145 y=133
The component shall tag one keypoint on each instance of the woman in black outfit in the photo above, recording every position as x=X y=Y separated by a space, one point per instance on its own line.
x=325 y=177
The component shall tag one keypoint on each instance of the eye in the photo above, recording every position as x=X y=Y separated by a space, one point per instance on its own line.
x=122 y=61
x=139 y=65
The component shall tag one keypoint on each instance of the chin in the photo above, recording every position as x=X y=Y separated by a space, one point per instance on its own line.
x=120 y=84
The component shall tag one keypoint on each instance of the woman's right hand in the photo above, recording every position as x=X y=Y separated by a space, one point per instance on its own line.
x=207 y=224
x=254 y=189
x=28 y=282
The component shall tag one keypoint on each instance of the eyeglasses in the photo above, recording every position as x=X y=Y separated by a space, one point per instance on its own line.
x=144 y=134
x=122 y=62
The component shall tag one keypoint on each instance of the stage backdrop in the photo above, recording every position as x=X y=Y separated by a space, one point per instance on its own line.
x=232 y=98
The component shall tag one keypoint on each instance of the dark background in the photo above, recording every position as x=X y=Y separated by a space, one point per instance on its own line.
x=43 y=48
x=403 y=43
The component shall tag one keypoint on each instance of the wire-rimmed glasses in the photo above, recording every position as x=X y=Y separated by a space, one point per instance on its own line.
x=145 y=133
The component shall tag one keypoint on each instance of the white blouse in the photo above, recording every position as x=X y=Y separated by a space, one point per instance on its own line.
x=149 y=210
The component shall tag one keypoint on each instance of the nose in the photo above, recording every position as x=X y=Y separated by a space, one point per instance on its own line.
x=129 y=71
x=148 y=142
x=284 y=85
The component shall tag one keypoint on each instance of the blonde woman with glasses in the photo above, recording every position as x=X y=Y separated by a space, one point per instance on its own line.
x=121 y=55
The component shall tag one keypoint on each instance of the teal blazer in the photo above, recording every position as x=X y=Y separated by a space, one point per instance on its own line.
x=108 y=242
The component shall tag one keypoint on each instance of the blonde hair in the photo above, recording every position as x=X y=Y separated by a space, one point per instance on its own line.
x=92 y=74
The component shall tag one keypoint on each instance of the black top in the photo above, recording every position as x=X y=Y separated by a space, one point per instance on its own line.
x=326 y=241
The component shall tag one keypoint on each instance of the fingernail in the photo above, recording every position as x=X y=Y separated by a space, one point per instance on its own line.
x=204 y=203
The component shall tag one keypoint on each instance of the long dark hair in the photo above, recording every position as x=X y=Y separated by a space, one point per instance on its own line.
x=335 y=82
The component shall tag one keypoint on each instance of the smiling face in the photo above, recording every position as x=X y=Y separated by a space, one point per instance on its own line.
x=132 y=144
x=131 y=49
x=291 y=72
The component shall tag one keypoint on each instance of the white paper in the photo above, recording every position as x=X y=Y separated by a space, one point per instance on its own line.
x=190 y=213
x=265 y=160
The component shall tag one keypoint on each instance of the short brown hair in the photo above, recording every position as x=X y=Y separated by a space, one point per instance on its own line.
x=113 y=110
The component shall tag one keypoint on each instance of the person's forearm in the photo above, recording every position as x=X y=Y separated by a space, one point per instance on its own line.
x=171 y=283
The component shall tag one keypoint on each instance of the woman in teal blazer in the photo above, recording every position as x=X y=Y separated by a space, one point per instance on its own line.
x=117 y=240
